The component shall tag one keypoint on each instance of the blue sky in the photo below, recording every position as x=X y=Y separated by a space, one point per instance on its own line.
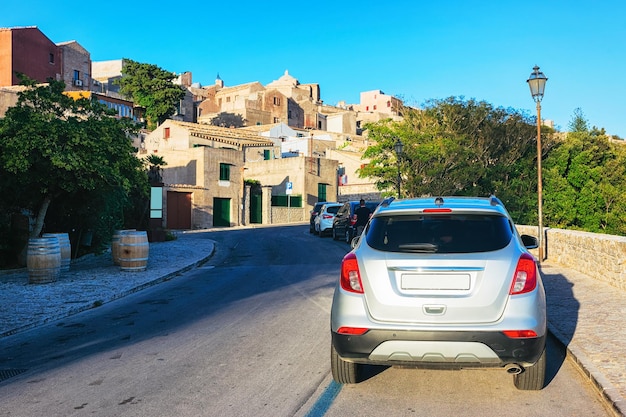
x=413 y=49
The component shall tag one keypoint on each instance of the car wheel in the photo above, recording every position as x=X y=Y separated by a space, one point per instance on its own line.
x=532 y=377
x=348 y=236
x=335 y=237
x=344 y=372
x=311 y=228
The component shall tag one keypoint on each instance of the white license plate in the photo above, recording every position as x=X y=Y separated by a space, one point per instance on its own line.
x=435 y=282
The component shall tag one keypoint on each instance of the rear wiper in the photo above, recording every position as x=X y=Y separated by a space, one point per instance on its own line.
x=418 y=247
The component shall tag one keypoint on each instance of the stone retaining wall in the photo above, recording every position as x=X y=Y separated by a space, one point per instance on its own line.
x=602 y=257
x=288 y=215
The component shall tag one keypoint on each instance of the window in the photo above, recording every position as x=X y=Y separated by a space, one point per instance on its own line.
x=228 y=99
x=76 y=75
x=277 y=101
x=419 y=233
x=51 y=58
x=224 y=172
x=374 y=106
x=276 y=120
x=321 y=192
x=166 y=133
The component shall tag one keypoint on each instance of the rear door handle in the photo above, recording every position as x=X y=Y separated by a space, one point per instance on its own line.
x=435 y=309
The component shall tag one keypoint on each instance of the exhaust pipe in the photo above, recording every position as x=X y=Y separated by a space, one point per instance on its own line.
x=514 y=369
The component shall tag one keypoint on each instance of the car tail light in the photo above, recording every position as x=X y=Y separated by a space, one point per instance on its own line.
x=350 y=275
x=355 y=331
x=520 y=334
x=525 y=276
x=327 y=216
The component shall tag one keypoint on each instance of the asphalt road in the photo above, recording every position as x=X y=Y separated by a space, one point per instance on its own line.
x=246 y=334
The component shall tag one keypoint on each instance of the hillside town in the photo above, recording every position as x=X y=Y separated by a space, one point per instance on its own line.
x=293 y=150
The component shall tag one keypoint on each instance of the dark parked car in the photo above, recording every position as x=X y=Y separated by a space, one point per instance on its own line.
x=314 y=213
x=442 y=282
x=343 y=224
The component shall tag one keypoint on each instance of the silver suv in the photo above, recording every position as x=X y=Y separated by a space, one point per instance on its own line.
x=442 y=282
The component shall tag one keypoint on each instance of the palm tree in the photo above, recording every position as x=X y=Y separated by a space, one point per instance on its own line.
x=155 y=171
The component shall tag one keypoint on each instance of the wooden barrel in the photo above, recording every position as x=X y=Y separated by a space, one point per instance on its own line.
x=134 y=250
x=66 y=249
x=115 y=244
x=43 y=260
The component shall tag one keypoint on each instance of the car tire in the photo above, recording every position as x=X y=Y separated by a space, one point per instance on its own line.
x=532 y=377
x=343 y=372
x=348 y=236
x=335 y=237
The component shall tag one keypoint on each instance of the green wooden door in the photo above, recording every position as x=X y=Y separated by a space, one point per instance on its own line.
x=256 y=208
x=221 y=212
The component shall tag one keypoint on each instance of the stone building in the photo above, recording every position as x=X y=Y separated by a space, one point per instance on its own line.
x=284 y=100
x=75 y=66
x=206 y=169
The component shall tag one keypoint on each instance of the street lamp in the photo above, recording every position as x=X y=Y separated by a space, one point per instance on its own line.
x=537 y=84
x=398 y=147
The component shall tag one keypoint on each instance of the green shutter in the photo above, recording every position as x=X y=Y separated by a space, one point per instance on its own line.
x=283 y=201
x=224 y=172
x=321 y=192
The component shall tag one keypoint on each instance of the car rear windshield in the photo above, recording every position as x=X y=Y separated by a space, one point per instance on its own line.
x=333 y=209
x=459 y=233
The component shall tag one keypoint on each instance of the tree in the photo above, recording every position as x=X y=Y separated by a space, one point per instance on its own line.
x=152 y=88
x=225 y=119
x=585 y=184
x=59 y=152
x=578 y=123
x=460 y=147
x=155 y=172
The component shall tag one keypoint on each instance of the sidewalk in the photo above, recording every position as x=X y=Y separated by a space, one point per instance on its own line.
x=586 y=315
x=91 y=281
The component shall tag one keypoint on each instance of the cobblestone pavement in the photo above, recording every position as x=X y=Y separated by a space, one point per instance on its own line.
x=586 y=315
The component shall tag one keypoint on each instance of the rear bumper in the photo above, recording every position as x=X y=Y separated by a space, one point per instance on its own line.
x=455 y=349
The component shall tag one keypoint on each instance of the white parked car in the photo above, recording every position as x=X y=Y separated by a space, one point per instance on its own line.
x=324 y=220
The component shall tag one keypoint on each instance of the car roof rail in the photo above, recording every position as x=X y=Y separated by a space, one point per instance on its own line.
x=495 y=201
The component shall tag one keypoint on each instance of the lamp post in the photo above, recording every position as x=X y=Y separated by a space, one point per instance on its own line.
x=537 y=84
x=398 y=147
